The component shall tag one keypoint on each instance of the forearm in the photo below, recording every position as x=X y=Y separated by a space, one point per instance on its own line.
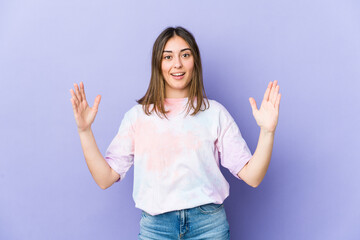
x=99 y=168
x=257 y=167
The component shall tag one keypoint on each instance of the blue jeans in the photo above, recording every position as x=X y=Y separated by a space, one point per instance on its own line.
x=203 y=222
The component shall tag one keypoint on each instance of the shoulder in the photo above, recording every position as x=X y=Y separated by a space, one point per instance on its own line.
x=216 y=106
x=134 y=109
x=220 y=110
x=133 y=112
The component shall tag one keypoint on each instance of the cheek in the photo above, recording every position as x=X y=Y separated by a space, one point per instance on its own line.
x=164 y=67
x=190 y=67
x=190 y=63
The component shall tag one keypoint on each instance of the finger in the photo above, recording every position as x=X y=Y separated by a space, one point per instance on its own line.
x=277 y=102
x=97 y=102
x=253 y=104
x=73 y=105
x=275 y=83
x=82 y=91
x=77 y=91
x=76 y=100
x=272 y=92
x=276 y=92
x=267 y=92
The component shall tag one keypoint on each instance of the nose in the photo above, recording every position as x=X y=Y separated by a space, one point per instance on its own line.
x=177 y=63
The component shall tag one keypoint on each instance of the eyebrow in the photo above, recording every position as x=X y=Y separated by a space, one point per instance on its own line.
x=180 y=50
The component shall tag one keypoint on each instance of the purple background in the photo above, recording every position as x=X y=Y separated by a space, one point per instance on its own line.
x=311 y=189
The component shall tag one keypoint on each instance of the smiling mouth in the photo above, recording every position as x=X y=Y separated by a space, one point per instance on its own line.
x=177 y=74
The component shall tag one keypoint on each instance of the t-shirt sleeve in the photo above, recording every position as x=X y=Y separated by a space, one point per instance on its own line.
x=233 y=150
x=120 y=153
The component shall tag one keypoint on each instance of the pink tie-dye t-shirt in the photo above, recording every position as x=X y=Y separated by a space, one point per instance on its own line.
x=176 y=161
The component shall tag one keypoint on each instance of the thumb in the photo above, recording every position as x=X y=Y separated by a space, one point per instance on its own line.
x=253 y=104
x=97 y=102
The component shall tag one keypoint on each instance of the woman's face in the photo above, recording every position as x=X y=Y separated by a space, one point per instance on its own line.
x=177 y=67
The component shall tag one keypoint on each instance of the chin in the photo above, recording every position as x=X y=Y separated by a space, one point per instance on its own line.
x=179 y=86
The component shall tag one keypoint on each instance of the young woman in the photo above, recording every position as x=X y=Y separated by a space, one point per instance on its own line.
x=178 y=184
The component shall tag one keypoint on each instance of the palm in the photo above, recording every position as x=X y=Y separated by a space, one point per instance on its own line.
x=267 y=116
x=83 y=113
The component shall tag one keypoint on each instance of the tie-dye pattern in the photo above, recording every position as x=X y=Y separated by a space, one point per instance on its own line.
x=176 y=161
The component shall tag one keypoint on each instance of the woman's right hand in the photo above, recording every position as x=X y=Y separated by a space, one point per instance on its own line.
x=83 y=113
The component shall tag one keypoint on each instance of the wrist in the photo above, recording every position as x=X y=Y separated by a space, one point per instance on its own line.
x=84 y=131
x=267 y=132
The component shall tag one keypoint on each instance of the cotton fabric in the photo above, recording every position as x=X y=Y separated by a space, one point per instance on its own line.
x=176 y=160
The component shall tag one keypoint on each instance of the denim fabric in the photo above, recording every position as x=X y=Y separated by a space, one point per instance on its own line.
x=203 y=222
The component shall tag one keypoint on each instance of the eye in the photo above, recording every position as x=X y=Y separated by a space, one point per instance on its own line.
x=186 y=55
x=167 y=57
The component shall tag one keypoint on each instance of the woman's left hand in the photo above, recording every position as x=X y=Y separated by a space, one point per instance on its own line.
x=267 y=116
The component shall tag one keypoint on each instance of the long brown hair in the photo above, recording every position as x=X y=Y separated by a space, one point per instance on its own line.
x=155 y=93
